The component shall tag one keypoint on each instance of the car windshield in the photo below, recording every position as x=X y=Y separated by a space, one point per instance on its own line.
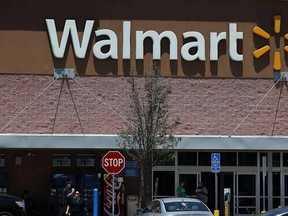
x=185 y=206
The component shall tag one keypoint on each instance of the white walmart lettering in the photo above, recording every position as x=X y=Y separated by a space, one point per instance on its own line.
x=80 y=48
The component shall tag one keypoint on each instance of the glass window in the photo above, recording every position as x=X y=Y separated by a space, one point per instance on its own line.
x=228 y=158
x=2 y=160
x=276 y=159
x=247 y=185
x=186 y=206
x=161 y=159
x=247 y=202
x=149 y=207
x=247 y=159
x=187 y=158
x=286 y=188
x=276 y=203
x=285 y=159
x=246 y=211
x=276 y=184
x=204 y=158
x=156 y=208
x=164 y=183
x=246 y=206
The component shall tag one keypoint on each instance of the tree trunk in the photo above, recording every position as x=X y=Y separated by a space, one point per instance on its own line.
x=148 y=184
x=142 y=186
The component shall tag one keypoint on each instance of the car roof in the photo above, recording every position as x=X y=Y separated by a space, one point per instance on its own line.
x=276 y=211
x=179 y=199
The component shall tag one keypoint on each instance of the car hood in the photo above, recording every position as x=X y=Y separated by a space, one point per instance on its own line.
x=6 y=197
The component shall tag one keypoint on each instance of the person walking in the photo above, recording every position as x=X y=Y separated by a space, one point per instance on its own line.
x=52 y=201
x=202 y=193
x=181 y=192
x=77 y=206
x=67 y=195
x=28 y=202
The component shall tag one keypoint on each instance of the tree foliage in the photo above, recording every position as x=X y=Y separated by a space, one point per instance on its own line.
x=148 y=135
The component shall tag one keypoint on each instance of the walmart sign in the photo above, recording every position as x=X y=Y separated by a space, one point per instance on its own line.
x=111 y=40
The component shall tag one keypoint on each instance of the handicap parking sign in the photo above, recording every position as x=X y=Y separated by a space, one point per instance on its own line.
x=215 y=162
x=215 y=157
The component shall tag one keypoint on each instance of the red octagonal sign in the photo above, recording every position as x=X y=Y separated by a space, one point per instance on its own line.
x=113 y=162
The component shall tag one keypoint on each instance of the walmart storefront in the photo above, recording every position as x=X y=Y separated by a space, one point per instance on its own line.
x=240 y=172
x=64 y=93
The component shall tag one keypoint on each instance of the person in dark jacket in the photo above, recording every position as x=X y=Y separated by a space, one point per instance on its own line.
x=77 y=206
x=202 y=193
x=67 y=195
x=29 y=203
x=52 y=200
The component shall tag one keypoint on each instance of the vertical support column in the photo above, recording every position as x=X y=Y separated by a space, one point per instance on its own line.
x=270 y=180
x=263 y=182
x=95 y=202
x=282 y=181
x=176 y=177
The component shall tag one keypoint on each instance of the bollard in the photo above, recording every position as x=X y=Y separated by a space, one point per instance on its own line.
x=216 y=212
x=95 y=202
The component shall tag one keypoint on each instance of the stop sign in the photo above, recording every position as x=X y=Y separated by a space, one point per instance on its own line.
x=113 y=162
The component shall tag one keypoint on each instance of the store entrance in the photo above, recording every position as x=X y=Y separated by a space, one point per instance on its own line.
x=236 y=192
x=225 y=188
x=245 y=196
x=226 y=191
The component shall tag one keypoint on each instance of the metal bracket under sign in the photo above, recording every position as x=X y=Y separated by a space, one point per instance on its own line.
x=282 y=74
x=64 y=73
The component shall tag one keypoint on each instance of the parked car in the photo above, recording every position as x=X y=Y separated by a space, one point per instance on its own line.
x=281 y=211
x=175 y=206
x=11 y=206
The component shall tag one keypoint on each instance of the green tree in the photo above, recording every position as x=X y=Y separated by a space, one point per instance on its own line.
x=148 y=135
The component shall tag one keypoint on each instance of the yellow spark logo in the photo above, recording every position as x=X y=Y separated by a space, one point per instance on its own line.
x=258 y=53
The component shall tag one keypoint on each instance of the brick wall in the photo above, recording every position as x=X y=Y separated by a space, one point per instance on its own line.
x=204 y=106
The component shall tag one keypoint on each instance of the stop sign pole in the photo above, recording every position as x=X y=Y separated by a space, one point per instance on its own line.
x=113 y=163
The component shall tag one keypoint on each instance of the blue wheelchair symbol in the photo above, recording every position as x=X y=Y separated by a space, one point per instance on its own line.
x=215 y=157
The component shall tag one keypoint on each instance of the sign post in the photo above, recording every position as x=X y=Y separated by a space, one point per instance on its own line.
x=215 y=168
x=113 y=163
